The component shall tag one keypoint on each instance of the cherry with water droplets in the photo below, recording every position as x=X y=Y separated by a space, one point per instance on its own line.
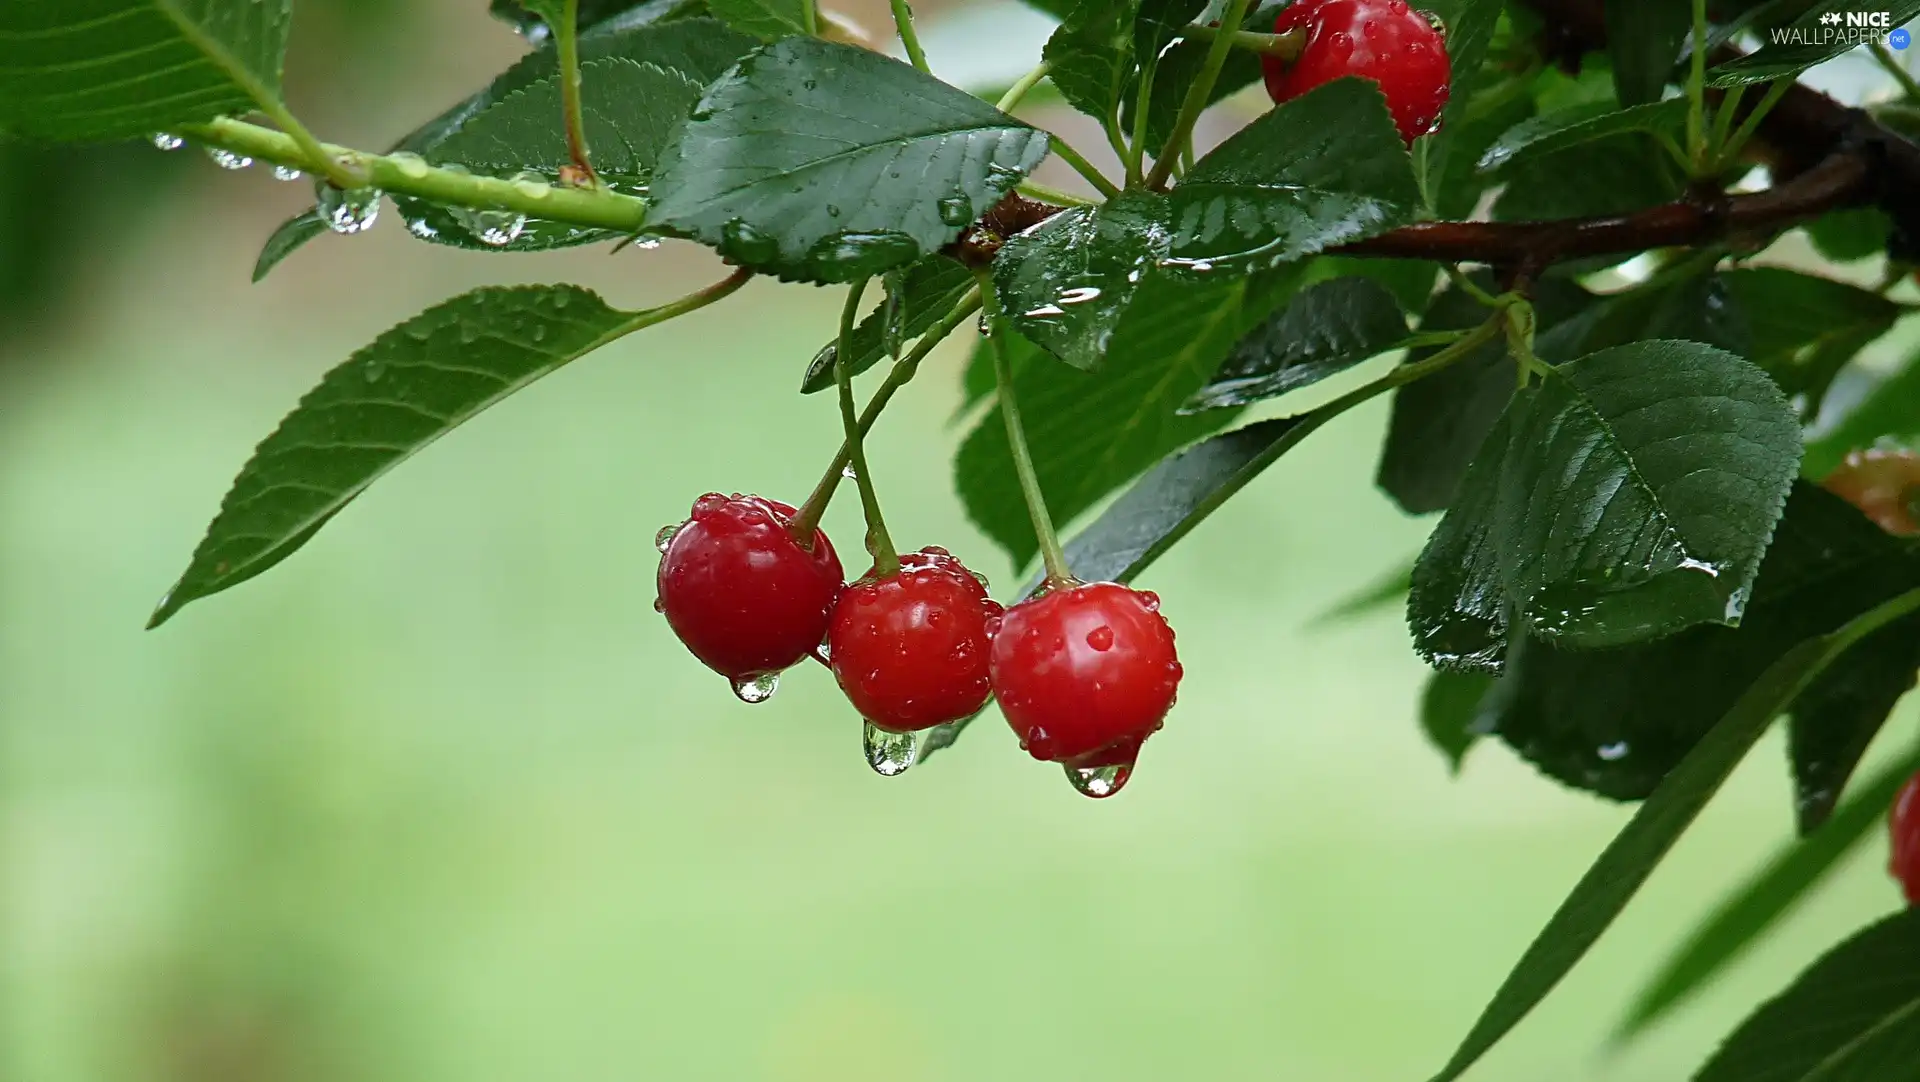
x=1084 y=674
x=1385 y=41
x=910 y=649
x=1903 y=829
x=1884 y=483
x=742 y=593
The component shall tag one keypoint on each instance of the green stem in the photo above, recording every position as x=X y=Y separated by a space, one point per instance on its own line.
x=1697 y=93
x=1723 y=123
x=1019 y=90
x=1049 y=194
x=566 y=43
x=1730 y=151
x=886 y=561
x=1082 y=166
x=903 y=23
x=598 y=208
x=1909 y=86
x=898 y=376
x=1286 y=46
x=810 y=17
x=1200 y=90
x=1465 y=284
x=1142 y=103
x=1051 y=555
x=692 y=302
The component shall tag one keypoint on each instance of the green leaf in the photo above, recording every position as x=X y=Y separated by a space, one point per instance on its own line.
x=825 y=163
x=1805 y=328
x=1816 y=44
x=1470 y=26
x=1770 y=894
x=1581 y=124
x=1092 y=432
x=1890 y=410
x=1639 y=491
x=1618 y=174
x=409 y=387
x=768 y=20
x=1454 y=182
x=1448 y=709
x=1698 y=307
x=1834 y=720
x=1091 y=54
x=1614 y=722
x=1177 y=69
x=1325 y=169
x=529 y=18
x=1389 y=589
x=1326 y=329
x=630 y=110
x=1611 y=882
x=118 y=69
x=1068 y=282
x=929 y=291
x=293 y=233
x=1158 y=22
x=1409 y=280
x=1853 y=1016
x=1457 y=608
x=1848 y=236
x=1644 y=38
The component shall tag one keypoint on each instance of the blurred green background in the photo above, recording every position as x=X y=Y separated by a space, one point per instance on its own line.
x=441 y=799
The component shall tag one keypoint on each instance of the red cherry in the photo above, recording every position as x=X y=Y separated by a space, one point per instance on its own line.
x=741 y=593
x=1903 y=825
x=1883 y=483
x=1382 y=40
x=1084 y=674
x=910 y=649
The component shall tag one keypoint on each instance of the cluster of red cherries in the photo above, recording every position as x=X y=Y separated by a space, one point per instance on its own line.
x=1884 y=483
x=1083 y=672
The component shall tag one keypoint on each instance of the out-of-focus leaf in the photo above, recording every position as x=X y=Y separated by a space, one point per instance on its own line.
x=768 y=20
x=1644 y=38
x=1816 y=44
x=1091 y=53
x=1618 y=174
x=1848 y=236
x=1383 y=592
x=1804 y=327
x=1580 y=124
x=1833 y=721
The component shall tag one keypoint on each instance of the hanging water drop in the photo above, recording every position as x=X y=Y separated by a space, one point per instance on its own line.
x=494 y=228
x=665 y=535
x=166 y=140
x=227 y=159
x=286 y=172
x=847 y=471
x=1099 y=781
x=756 y=689
x=889 y=753
x=347 y=212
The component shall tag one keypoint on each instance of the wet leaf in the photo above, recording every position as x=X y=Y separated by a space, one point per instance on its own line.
x=1853 y=1016
x=530 y=17
x=1067 y=283
x=1644 y=39
x=1833 y=721
x=768 y=20
x=629 y=109
x=1772 y=61
x=1579 y=124
x=1091 y=54
x=1449 y=708
x=1326 y=329
x=1457 y=608
x=293 y=233
x=825 y=163
x=929 y=291
x=412 y=385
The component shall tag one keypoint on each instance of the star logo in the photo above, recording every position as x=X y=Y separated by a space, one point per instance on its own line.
x=1831 y=18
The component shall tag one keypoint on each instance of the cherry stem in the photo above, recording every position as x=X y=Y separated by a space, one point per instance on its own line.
x=903 y=371
x=909 y=39
x=880 y=546
x=1198 y=92
x=1697 y=149
x=1287 y=46
x=1055 y=560
x=565 y=43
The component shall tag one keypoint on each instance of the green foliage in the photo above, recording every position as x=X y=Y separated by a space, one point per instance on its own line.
x=1450 y=712
x=1771 y=61
x=768 y=20
x=1327 y=329
x=1090 y=54
x=630 y=109
x=408 y=388
x=1644 y=38
x=815 y=161
x=927 y=290
x=117 y=69
x=1889 y=410
x=1579 y=124
x=1806 y=328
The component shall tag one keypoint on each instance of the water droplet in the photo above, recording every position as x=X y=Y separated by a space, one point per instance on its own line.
x=833 y=211
x=531 y=185
x=166 y=140
x=1613 y=752
x=1150 y=600
x=746 y=244
x=1101 y=638
x=664 y=536
x=373 y=370
x=888 y=753
x=955 y=210
x=847 y=471
x=659 y=604
x=286 y=172
x=227 y=159
x=347 y=212
x=1099 y=781
x=757 y=688
x=495 y=228
x=410 y=165
x=646 y=243
x=851 y=255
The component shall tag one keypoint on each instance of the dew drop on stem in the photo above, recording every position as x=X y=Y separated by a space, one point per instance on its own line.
x=888 y=753
x=757 y=688
x=286 y=172
x=227 y=159
x=166 y=140
x=346 y=212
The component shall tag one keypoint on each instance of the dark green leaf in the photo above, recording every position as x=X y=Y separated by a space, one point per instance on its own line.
x=928 y=291
x=117 y=69
x=1614 y=722
x=1853 y=1016
x=528 y=18
x=1326 y=329
x=1160 y=21
x=630 y=110
x=1891 y=410
x=1391 y=588
x=1067 y=283
x=826 y=162
x=1615 y=175
x=1470 y=25
x=1091 y=55
x=1644 y=38
x=1775 y=890
x=1409 y=280
x=1834 y=720
x=1177 y=70
x=1847 y=236
x=1457 y=608
x=768 y=20
x=1448 y=709
x=1092 y=432
x=1322 y=170
x=1815 y=44
x=293 y=233
x=1696 y=307
x=1454 y=182
x=1581 y=124
x=415 y=383
x=1806 y=327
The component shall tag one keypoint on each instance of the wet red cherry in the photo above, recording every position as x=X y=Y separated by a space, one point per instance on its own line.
x=1884 y=483
x=910 y=649
x=1084 y=674
x=1386 y=41
x=740 y=591
x=1903 y=828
